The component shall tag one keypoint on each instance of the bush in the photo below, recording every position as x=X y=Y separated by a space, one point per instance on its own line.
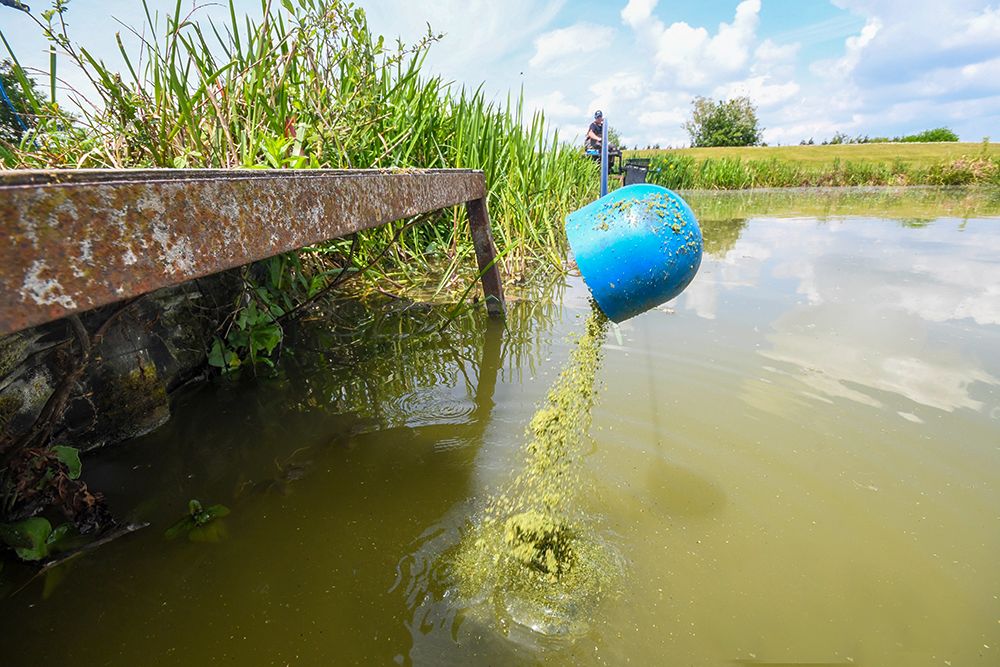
x=15 y=122
x=934 y=135
x=673 y=171
x=724 y=123
x=684 y=172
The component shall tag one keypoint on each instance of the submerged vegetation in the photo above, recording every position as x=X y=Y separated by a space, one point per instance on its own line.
x=308 y=86
x=682 y=172
x=832 y=165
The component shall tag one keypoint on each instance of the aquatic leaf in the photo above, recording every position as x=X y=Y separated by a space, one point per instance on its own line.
x=28 y=538
x=212 y=532
x=206 y=516
x=220 y=356
x=182 y=527
x=197 y=519
x=58 y=534
x=215 y=356
x=54 y=577
x=266 y=337
x=70 y=457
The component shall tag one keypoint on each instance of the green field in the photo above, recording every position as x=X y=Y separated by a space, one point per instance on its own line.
x=816 y=156
x=836 y=165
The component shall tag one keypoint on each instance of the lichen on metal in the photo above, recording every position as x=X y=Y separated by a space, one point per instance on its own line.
x=75 y=240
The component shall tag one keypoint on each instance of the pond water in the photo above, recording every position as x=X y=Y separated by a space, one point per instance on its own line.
x=795 y=462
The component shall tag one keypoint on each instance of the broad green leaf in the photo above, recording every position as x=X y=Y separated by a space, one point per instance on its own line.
x=57 y=534
x=215 y=356
x=54 y=577
x=182 y=527
x=210 y=514
x=70 y=457
x=212 y=532
x=28 y=537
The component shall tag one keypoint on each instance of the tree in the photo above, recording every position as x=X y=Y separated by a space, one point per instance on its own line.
x=12 y=124
x=723 y=123
x=614 y=139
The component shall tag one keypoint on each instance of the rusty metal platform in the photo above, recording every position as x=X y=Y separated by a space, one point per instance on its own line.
x=76 y=240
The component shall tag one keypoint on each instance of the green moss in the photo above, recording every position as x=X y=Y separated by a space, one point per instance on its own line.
x=144 y=381
x=36 y=391
x=10 y=405
x=132 y=403
x=12 y=349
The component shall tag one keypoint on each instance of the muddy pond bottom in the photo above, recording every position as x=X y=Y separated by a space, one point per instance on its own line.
x=794 y=462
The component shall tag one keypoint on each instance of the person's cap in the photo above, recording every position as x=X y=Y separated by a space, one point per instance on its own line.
x=598 y=114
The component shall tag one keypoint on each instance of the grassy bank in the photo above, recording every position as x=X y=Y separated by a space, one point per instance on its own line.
x=309 y=86
x=914 y=154
x=837 y=165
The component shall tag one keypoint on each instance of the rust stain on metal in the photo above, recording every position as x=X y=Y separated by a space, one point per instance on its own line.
x=75 y=240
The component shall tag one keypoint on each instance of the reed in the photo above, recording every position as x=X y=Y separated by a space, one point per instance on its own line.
x=309 y=86
x=682 y=171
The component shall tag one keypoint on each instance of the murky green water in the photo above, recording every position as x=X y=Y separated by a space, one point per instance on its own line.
x=798 y=461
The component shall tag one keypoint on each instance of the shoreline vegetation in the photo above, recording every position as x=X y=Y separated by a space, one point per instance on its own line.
x=308 y=86
x=877 y=164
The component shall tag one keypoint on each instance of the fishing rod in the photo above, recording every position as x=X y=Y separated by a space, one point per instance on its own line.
x=13 y=4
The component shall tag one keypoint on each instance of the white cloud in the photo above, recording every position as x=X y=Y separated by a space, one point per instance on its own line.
x=616 y=95
x=480 y=35
x=636 y=12
x=770 y=52
x=555 y=105
x=690 y=55
x=982 y=27
x=730 y=47
x=576 y=39
x=670 y=118
x=777 y=60
x=854 y=47
x=759 y=88
x=913 y=65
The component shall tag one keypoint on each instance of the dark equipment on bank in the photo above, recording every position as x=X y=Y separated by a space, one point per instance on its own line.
x=610 y=157
x=636 y=169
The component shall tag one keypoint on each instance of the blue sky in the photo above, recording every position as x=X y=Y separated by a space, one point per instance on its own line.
x=813 y=67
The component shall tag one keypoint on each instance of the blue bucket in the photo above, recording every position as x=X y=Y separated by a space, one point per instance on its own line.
x=636 y=247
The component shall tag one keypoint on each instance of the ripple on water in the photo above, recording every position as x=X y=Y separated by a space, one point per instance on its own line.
x=426 y=408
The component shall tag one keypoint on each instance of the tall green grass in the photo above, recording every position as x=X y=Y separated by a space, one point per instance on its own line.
x=309 y=86
x=679 y=171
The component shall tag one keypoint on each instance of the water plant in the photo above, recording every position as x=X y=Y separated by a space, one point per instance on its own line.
x=307 y=85
x=680 y=171
x=201 y=524
x=34 y=538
